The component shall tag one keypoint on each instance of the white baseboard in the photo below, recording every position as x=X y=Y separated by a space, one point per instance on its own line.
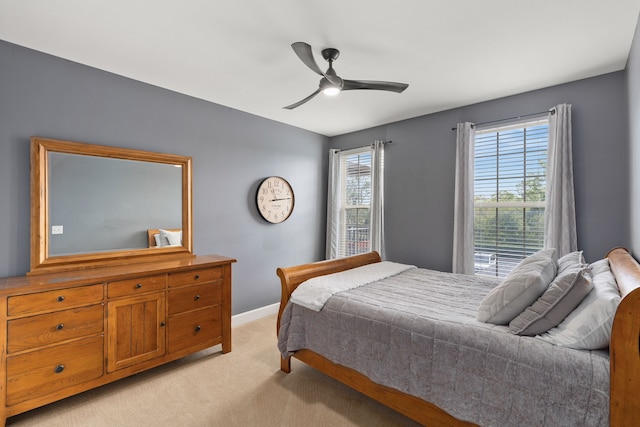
x=251 y=315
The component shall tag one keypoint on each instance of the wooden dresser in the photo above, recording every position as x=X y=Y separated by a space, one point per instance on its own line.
x=72 y=331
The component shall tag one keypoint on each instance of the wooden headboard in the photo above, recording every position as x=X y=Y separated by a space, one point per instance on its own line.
x=152 y=231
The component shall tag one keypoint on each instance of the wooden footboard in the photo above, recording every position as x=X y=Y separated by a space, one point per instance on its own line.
x=624 y=347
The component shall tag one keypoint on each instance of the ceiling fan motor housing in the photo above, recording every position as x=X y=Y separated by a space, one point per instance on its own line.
x=330 y=54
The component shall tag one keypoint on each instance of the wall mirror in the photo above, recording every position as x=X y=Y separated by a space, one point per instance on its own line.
x=94 y=206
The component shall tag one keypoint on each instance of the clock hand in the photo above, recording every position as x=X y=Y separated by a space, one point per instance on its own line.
x=284 y=198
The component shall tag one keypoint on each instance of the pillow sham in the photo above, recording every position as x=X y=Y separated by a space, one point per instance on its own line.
x=564 y=294
x=173 y=238
x=588 y=327
x=570 y=260
x=521 y=288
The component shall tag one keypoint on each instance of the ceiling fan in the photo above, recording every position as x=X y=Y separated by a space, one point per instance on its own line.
x=330 y=83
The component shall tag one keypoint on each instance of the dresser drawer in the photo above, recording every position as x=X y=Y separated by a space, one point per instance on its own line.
x=46 y=371
x=195 y=276
x=53 y=300
x=136 y=286
x=50 y=328
x=194 y=297
x=201 y=327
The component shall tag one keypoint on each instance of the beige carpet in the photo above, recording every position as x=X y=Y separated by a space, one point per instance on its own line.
x=241 y=388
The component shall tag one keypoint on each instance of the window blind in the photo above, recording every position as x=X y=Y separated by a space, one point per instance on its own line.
x=509 y=195
x=355 y=212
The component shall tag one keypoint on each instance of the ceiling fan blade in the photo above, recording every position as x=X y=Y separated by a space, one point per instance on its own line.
x=303 y=50
x=374 y=85
x=299 y=103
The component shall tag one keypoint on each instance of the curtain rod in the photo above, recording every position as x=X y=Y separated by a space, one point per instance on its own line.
x=364 y=146
x=551 y=111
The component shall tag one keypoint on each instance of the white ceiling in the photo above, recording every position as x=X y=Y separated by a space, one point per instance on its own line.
x=237 y=52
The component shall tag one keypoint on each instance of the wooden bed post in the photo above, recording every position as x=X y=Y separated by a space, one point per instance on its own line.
x=285 y=364
x=624 y=358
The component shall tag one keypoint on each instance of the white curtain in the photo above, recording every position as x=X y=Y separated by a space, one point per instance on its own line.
x=333 y=208
x=463 y=261
x=560 y=211
x=377 y=198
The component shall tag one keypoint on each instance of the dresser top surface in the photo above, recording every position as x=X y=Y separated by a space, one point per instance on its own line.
x=103 y=274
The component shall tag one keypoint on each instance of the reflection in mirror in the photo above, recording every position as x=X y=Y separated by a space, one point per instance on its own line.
x=94 y=206
x=101 y=204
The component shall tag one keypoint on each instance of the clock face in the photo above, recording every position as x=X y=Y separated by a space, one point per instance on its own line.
x=275 y=199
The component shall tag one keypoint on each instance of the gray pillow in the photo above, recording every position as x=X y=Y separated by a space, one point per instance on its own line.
x=571 y=260
x=546 y=254
x=521 y=288
x=566 y=291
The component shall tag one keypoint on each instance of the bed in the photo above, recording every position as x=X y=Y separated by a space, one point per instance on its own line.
x=609 y=391
x=154 y=236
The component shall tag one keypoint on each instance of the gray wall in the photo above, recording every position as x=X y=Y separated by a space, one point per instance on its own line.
x=232 y=152
x=633 y=95
x=419 y=169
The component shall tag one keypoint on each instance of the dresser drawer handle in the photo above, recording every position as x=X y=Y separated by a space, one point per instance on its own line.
x=60 y=326
x=196 y=277
x=138 y=285
x=61 y=298
x=163 y=323
x=197 y=297
x=59 y=369
x=198 y=328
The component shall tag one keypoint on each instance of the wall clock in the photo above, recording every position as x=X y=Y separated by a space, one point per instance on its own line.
x=275 y=199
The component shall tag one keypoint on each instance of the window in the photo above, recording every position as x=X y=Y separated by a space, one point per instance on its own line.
x=355 y=201
x=509 y=195
x=355 y=204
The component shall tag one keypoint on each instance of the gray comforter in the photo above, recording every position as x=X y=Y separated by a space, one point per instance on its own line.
x=417 y=332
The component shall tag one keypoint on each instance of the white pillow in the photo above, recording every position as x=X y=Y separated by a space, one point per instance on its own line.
x=521 y=288
x=588 y=327
x=600 y=266
x=173 y=238
x=158 y=240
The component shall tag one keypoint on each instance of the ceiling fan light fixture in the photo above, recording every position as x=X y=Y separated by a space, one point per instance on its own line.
x=331 y=91
x=329 y=88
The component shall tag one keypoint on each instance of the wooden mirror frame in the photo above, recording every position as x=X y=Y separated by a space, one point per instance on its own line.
x=41 y=262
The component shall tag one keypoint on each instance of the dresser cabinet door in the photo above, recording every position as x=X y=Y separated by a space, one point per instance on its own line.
x=136 y=330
